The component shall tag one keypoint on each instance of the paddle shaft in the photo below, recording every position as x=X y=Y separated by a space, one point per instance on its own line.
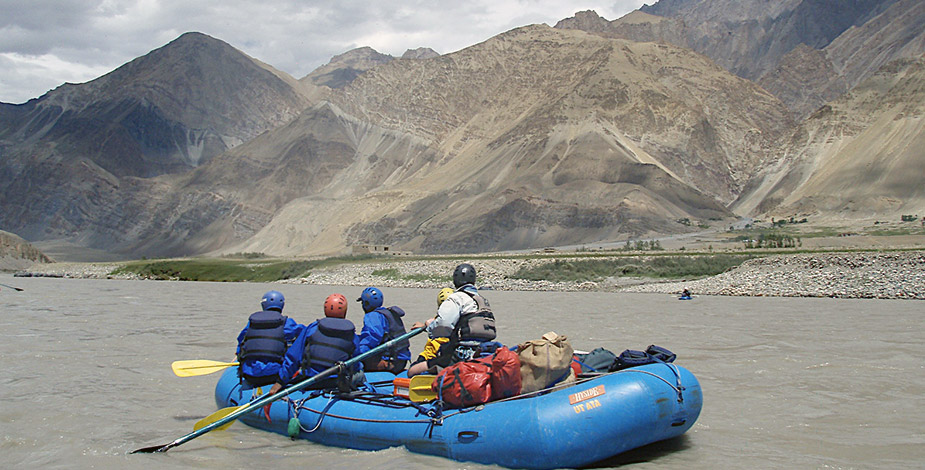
x=11 y=287
x=281 y=394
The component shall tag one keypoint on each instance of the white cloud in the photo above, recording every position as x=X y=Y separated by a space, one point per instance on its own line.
x=44 y=43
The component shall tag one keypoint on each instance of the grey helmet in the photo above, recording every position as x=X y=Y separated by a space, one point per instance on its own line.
x=464 y=274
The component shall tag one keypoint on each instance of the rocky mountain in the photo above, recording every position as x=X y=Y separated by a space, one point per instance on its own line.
x=859 y=157
x=792 y=48
x=807 y=78
x=482 y=150
x=344 y=68
x=420 y=53
x=16 y=253
x=594 y=130
x=67 y=155
x=590 y=139
x=749 y=37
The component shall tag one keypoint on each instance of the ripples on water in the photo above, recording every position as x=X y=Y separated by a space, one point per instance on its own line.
x=788 y=383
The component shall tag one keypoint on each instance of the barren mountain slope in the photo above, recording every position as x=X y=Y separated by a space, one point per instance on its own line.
x=700 y=123
x=749 y=37
x=806 y=78
x=344 y=68
x=859 y=157
x=69 y=157
x=537 y=136
x=897 y=33
x=778 y=43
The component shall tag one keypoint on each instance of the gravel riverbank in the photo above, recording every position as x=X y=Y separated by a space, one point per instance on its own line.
x=880 y=275
x=886 y=275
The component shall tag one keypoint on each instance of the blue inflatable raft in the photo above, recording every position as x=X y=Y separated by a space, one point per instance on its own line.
x=588 y=421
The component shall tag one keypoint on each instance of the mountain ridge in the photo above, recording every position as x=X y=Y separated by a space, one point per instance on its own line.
x=538 y=136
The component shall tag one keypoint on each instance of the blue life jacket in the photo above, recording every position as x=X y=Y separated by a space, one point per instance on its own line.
x=331 y=343
x=396 y=329
x=265 y=339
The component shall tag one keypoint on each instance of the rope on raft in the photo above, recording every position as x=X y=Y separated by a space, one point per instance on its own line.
x=434 y=412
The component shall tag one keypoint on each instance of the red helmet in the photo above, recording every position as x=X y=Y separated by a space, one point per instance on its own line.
x=335 y=306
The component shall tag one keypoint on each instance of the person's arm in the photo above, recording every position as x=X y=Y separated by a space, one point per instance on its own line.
x=374 y=327
x=447 y=315
x=237 y=352
x=293 y=358
x=292 y=329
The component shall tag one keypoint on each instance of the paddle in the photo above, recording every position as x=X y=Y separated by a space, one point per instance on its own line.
x=11 y=287
x=194 y=367
x=222 y=413
x=215 y=417
x=256 y=404
x=419 y=388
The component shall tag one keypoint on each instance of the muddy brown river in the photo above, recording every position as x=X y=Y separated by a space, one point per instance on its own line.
x=787 y=382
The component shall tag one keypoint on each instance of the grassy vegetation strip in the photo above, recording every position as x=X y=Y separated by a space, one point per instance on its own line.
x=222 y=270
x=396 y=275
x=669 y=267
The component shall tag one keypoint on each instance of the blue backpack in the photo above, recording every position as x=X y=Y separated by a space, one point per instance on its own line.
x=632 y=358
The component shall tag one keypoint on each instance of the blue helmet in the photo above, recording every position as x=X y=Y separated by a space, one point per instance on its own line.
x=371 y=298
x=273 y=300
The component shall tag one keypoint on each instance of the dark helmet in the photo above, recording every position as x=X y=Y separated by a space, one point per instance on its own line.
x=464 y=274
x=371 y=299
x=273 y=300
x=335 y=306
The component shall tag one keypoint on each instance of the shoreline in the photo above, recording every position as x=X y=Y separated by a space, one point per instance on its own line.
x=874 y=275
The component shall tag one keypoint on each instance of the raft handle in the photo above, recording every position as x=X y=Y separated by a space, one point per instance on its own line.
x=467 y=436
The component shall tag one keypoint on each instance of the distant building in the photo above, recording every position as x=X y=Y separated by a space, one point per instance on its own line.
x=377 y=250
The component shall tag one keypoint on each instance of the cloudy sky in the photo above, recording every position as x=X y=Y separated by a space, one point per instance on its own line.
x=44 y=43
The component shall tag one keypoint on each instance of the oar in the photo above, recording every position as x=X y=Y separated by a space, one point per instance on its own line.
x=194 y=367
x=256 y=404
x=419 y=388
x=11 y=287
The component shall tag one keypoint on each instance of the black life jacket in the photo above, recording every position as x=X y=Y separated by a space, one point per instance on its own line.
x=331 y=343
x=265 y=339
x=396 y=329
x=478 y=325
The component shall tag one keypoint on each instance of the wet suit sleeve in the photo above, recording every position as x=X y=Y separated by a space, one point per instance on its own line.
x=293 y=359
x=237 y=352
x=374 y=327
x=292 y=330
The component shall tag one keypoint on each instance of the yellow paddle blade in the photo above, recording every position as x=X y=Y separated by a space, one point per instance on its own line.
x=419 y=390
x=215 y=417
x=196 y=367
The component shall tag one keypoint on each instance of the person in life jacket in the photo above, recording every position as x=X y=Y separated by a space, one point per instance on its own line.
x=380 y=325
x=465 y=317
x=264 y=340
x=433 y=344
x=323 y=344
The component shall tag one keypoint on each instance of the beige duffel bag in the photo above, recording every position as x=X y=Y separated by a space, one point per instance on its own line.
x=544 y=362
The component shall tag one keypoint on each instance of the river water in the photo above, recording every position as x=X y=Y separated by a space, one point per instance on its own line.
x=787 y=382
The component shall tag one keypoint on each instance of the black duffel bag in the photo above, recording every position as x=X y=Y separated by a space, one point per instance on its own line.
x=632 y=358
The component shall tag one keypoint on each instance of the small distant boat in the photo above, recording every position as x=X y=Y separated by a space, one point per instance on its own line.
x=577 y=425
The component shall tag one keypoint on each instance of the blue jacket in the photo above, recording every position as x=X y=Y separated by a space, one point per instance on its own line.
x=375 y=330
x=293 y=360
x=257 y=368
